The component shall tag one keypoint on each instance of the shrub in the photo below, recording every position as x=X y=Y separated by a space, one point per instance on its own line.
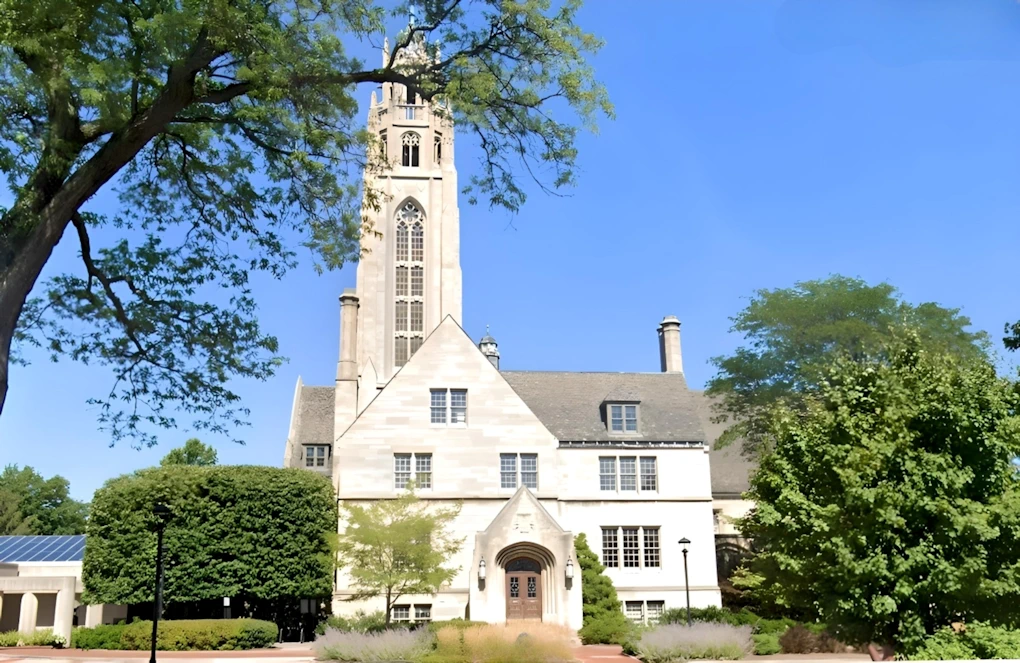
x=766 y=644
x=42 y=638
x=606 y=629
x=200 y=634
x=976 y=640
x=360 y=622
x=604 y=621
x=377 y=647
x=810 y=639
x=944 y=645
x=672 y=642
x=106 y=636
x=491 y=643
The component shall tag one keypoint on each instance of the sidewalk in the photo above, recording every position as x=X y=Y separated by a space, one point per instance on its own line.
x=289 y=653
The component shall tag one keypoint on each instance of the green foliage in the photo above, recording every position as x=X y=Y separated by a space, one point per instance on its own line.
x=890 y=504
x=232 y=133
x=604 y=621
x=11 y=520
x=1012 y=338
x=766 y=644
x=42 y=638
x=192 y=453
x=360 y=622
x=502 y=643
x=669 y=643
x=792 y=334
x=104 y=636
x=394 y=548
x=44 y=504
x=944 y=645
x=258 y=532
x=974 y=640
x=199 y=634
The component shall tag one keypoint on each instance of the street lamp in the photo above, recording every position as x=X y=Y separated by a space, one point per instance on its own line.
x=684 y=542
x=162 y=514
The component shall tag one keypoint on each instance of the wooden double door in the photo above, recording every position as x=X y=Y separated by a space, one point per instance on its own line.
x=523 y=590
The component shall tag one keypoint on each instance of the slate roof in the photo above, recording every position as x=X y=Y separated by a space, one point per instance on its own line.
x=570 y=405
x=731 y=470
x=315 y=415
x=68 y=548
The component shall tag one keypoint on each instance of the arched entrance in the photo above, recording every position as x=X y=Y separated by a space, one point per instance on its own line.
x=523 y=589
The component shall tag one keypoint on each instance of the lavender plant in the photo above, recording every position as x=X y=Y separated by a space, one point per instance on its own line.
x=679 y=642
x=394 y=646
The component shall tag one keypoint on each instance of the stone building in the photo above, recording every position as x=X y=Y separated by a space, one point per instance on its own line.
x=534 y=457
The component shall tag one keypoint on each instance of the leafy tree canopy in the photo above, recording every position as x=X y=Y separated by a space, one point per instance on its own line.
x=394 y=548
x=1012 y=338
x=230 y=131
x=262 y=533
x=890 y=506
x=192 y=453
x=44 y=504
x=793 y=333
x=11 y=520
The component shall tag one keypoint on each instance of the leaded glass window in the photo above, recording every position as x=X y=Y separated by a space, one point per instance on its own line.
x=508 y=470
x=631 y=548
x=610 y=548
x=607 y=473
x=651 y=547
x=458 y=406
x=401 y=470
x=628 y=473
x=529 y=470
x=409 y=283
x=438 y=411
x=649 y=479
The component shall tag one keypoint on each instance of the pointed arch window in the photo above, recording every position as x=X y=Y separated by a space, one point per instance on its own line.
x=409 y=292
x=411 y=145
x=437 y=151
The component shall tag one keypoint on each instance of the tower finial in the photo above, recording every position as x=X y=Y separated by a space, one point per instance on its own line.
x=486 y=330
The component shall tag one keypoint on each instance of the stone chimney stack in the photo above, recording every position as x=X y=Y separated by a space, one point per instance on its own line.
x=347 y=367
x=669 y=345
x=489 y=348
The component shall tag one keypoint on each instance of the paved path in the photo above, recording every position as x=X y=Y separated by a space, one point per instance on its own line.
x=602 y=654
x=291 y=654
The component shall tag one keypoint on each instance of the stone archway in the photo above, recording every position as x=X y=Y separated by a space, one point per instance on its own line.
x=527 y=580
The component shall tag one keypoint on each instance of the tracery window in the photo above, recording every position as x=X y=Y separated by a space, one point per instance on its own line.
x=411 y=145
x=409 y=292
x=437 y=151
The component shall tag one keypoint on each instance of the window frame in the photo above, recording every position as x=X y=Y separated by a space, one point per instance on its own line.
x=413 y=610
x=308 y=454
x=448 y=415
x=624 y=408
x=640 y=553
x=413 y=473
x=518 y=472
x=638 y=475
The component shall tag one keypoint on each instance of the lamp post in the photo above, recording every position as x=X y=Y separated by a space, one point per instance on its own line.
x=684 y=542
x=162 y=514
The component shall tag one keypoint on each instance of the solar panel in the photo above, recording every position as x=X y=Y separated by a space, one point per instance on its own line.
x=68 y=548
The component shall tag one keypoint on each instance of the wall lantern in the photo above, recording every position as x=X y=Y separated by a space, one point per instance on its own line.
x=570 y=569
x=481 y=570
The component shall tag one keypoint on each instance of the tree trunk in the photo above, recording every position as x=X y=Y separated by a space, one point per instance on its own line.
x=881 y=652
x=389 y=608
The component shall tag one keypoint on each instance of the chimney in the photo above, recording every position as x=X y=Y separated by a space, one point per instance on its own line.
x=347 y=367
x=489 y=348
x=669 y=345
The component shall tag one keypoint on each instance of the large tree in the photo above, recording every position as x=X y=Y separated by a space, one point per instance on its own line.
x=791 y=334
x=192 y=453
x=46 y=504
x=264 y=535
x=11 y=519
x=890 y=505
x=230 y=131
x=395 y=548
x=604 y=621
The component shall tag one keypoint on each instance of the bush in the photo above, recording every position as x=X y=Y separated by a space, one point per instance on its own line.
x=766 y=644
x=703 y=640
x=977 y=640
x=33 y=639
x=106 y=636
x=360 y=622
x=531 y=643
x=455 y=623
x=810 y=639
x=611 y=628
x=200 y=634
x=377 y=647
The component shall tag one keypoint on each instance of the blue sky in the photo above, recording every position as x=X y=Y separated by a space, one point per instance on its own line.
x=757 y=143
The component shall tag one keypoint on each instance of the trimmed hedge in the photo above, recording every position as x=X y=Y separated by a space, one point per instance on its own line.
x=180 y=635
x=34 y=639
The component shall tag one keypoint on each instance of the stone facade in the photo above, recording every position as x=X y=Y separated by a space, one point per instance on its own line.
x=534 y=458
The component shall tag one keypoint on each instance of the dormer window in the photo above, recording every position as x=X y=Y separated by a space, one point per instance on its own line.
x=623 y=418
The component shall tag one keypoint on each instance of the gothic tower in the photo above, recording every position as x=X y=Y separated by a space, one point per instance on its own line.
x=409 y=277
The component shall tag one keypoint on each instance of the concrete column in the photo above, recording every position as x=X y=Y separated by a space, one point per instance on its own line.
x=669 y=345
x=63 y=613
x=29 y=613
x=93 y=615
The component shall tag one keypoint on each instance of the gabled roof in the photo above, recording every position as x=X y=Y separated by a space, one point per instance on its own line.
x=731 y=470
x=315 y=418
x=570 y=405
